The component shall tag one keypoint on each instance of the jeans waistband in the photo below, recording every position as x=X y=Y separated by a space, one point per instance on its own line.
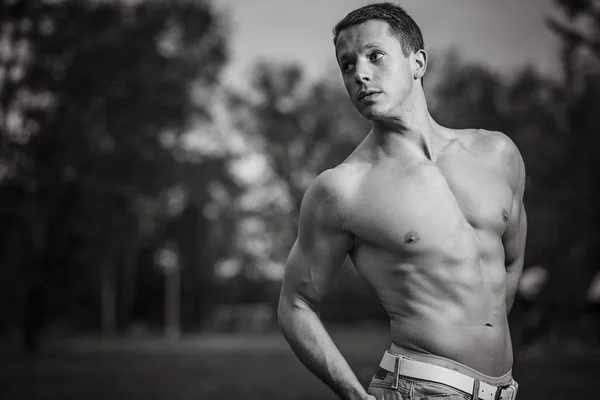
x=453 y=365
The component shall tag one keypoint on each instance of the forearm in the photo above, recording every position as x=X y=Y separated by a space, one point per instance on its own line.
x=314 y=347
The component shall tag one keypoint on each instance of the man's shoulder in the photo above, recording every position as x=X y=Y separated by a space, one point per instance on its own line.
x=500 y=148
x=333 y=188
x=492 y=141
x=491 y=144
x=337 y=180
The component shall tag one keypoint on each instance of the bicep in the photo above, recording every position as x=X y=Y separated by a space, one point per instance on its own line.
x=311 y=267
x=320 y=249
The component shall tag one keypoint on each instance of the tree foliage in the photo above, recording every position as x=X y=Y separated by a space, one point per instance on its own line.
x=95 y=97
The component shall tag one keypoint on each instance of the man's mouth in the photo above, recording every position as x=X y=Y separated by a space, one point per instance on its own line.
x=367 y=94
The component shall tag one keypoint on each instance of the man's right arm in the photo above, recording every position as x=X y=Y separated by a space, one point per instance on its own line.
x=320 y=248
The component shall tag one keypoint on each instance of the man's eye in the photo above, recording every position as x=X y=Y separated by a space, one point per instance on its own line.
x=376 y=56
x=347 y=67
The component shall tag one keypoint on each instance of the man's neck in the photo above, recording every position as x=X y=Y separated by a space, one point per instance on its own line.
x=412 y=129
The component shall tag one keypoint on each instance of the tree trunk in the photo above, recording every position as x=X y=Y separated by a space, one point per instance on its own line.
x=109 y=299
x=130 y=265
x=172 y=303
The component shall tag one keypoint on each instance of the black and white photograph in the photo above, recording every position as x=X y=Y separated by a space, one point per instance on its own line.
x=299 y=199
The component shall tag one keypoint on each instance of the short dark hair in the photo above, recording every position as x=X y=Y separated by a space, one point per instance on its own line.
x=401 y=24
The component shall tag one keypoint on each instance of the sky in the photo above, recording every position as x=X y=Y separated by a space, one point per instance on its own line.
x=503 y=34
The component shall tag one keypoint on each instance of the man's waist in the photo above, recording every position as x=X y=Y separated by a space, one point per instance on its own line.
x=451 y=345
x=401 y=363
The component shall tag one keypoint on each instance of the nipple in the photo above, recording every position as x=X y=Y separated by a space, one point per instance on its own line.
x=411 y=237
x=504 y=215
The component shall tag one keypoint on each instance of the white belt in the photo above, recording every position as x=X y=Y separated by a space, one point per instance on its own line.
x=399 y=365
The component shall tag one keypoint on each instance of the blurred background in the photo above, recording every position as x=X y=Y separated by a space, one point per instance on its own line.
x=153 y=156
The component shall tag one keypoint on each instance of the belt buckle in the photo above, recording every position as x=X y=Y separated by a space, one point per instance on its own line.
x=508 y=392
x=396 y=370
x=396 y=377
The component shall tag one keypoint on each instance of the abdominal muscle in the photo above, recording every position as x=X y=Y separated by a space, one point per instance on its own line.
x=448 y=309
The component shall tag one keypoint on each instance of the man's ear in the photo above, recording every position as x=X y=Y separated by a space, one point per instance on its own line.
x=419 y=64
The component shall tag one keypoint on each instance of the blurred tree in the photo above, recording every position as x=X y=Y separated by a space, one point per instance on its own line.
x=563 y=302
x=94 y=99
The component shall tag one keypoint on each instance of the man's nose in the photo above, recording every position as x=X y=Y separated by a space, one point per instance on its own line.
x=363 y=72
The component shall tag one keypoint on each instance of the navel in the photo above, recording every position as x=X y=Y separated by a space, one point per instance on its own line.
x=411 y=237
x=504 y=214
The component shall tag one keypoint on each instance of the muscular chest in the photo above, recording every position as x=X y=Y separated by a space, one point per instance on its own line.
x=431 y=205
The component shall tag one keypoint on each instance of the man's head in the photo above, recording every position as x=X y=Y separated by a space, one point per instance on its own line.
x=401 y=24
x=379 y=48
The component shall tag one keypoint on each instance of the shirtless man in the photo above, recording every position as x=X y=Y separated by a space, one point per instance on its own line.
x=431 y=217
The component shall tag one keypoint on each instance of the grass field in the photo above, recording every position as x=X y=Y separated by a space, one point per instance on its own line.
x=235 y=367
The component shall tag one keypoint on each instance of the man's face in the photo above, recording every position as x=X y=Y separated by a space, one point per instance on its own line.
x=377 y=74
